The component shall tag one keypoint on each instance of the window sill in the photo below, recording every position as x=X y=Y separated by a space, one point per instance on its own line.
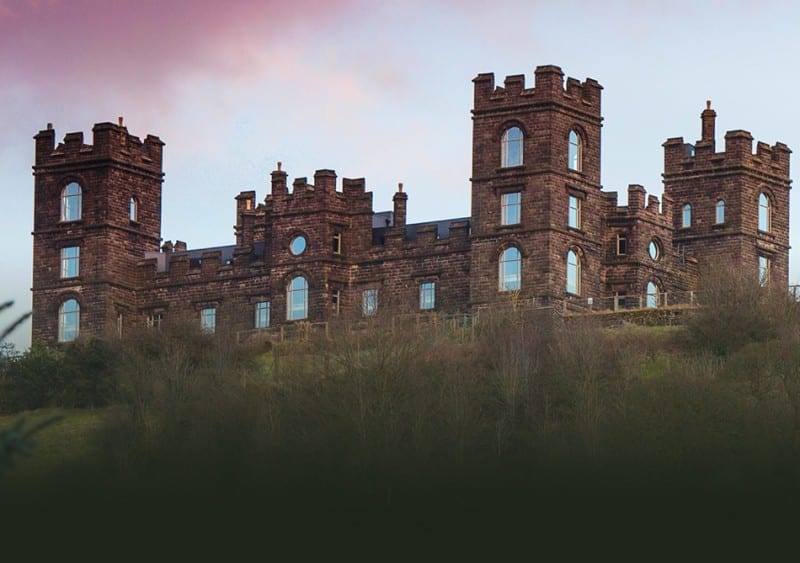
x=517 y=168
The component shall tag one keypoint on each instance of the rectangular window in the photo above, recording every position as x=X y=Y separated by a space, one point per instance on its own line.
x=119 y=325
x=208 y=319
x=337 y=243
x=262 y=314
x=70 y=261
x=155 y=320
x=427 y=295
x=369 y=302
x=763 y=271
x=622 y=245
x=336 y=301
x=574 y=219
x=511 y=208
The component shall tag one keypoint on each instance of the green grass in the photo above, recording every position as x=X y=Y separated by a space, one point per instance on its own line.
x=63 y=443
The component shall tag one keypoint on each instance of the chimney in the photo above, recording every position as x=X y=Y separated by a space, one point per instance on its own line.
x=400 y=200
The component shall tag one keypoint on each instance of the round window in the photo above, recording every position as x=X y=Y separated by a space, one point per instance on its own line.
x=654 y=249
x=298 y=245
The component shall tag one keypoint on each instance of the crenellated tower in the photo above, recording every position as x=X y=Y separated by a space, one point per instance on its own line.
x=730 y=208
x=536 y=202
x=97 y=211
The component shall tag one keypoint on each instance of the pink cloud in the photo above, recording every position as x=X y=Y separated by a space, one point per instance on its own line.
x=61 y=47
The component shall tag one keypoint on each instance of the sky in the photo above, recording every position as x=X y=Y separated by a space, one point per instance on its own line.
x=380 y=90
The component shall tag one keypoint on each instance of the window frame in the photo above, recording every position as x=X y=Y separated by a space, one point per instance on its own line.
x=427 y=295
x=574 y=212
x=764 y=270
x=154 y=320
x=575 y=151
x=686 y=216
x=764 y=213
x=507 y=279
x=573 y=268
x=369 y=301
x=292 y=301
x=74 y=326
x=651 y=303
x=263 y=313
x=719 y=212
x=508 y=208
x=622 y=239
x=302 y=241
x=654 y=243
x=70 y=262
x=507 y=143
x=208 y=320
x=337 y=243
x=71 y=203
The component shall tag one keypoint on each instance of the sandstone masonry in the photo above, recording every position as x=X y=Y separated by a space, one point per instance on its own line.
x=541 y=228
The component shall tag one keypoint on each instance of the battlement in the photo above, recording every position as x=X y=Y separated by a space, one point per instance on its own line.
x=549 y=87
x=322 y=195
x=640 y=205
x=682 y=157
x=110 y=142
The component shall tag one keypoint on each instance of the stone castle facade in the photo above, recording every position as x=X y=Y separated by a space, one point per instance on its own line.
x=541 y=228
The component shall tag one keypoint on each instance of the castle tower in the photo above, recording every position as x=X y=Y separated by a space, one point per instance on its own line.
x=536 y=203
x=97 y=210
x=315 y=233
x=730 y=208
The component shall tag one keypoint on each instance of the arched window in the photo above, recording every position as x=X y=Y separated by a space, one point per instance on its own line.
x=511 y=147
x=764 y=213
x=297 y=299
x=69 y=320
x=573 y=273
x=510 y=269
x=71 y=202
x=134 y=209
x=652 y=295
x=720 y=216
x=575 y=161
x=686 y=221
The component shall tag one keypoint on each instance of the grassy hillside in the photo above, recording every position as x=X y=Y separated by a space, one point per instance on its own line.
x=529 y=412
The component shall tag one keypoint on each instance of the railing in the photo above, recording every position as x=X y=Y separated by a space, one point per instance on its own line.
x=462 y=325
x=457 y=324
x=618 y=303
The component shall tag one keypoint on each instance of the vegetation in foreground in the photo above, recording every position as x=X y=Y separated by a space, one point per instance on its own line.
x=531 y=412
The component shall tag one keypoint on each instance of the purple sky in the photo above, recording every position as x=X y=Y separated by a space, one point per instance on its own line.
x=375 y=89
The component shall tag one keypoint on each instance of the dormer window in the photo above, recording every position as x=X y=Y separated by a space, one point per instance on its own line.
x=575 y=151
x=71 y=202
x=511 y=147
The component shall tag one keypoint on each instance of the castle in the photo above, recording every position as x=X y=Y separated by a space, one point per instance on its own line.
x=540 y=228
